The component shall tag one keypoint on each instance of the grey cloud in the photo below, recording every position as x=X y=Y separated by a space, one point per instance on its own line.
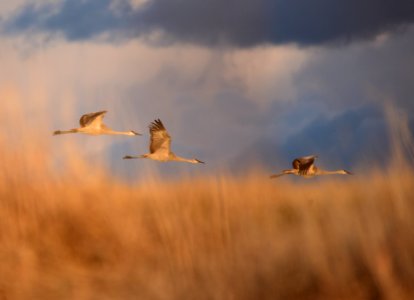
x=361 y=74
x=236 y=22
x=251 y=22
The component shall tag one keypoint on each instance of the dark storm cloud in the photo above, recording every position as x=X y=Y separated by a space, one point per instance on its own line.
x=236 y=22
x=252 y=22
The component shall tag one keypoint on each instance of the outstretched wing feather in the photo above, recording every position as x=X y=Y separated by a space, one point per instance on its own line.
x=303 y=163
x=160 y=139
x=88 y=119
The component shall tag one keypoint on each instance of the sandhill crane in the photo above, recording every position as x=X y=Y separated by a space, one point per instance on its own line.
x=160 y=146
x=92 y=124
x=304 y=166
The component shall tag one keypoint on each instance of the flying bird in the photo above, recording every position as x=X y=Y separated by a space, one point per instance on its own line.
x=160 y=146
x=304 y=166
x=92 y=123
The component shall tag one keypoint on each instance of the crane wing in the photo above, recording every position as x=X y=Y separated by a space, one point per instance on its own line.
x=92 y=119
x=304 y=163
x=160 y=139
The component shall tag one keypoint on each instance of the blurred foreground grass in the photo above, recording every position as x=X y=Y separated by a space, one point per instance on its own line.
x=93 y=237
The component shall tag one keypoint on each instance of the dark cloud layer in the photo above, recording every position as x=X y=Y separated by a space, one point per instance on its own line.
x=235 y=22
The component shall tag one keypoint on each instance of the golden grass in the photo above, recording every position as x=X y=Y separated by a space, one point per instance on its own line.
x=63 y=236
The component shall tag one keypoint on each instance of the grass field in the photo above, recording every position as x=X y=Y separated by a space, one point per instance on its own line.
x=71 y=237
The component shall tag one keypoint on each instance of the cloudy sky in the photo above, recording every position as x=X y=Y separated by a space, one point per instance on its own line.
x=237 y=83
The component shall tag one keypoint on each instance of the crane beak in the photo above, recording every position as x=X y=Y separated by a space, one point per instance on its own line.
x=349 y=173
x=135 y=133
x=199 y=161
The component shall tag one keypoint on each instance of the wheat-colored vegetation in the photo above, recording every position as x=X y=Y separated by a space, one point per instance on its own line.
x=207 y=238
x=67 y=236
